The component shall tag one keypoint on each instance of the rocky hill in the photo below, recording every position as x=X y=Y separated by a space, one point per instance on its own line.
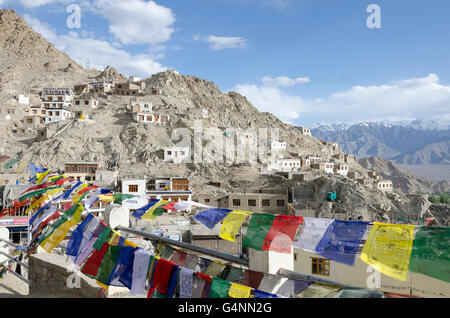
x=115 y=140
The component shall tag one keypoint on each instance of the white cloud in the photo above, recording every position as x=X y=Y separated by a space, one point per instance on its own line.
x=279 y=4
x=38 y=3
x=218 y=43
x=410 y=98
x=284 y=81
x=99 y=52
x=137 y=21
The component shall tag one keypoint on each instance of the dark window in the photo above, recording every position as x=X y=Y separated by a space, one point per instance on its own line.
x=251 y=202
x=280 y=202
x=320 y=266
x=236 y=202
x=265 y=203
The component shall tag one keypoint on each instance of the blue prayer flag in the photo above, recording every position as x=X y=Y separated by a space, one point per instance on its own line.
x=211 y=217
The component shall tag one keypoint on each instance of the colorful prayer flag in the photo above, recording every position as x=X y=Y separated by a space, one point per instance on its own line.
x=281 y=234
x=155 y=211
x=211 y=217
x=341 y=241
x=219 y=288
x=312 y=233
x=430 y=253
x=239 y=291
x=138 y=213
x=232 y=223
x=259 y=227
x=388 y=247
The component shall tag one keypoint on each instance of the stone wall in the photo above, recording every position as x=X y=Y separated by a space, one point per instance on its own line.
x=49 y=273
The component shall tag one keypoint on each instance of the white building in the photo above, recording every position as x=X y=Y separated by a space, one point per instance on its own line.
x=134 y=79
x=100 y=87
x=56 y=98
x=277 y=145
x=305 y=131
x=314 y=159
x=144 y=117
x=136 y=187
x=290 y=164
x=177 y=154
x=141 y=106
x=22 y=99
x=341 y=169
x=327 y=167
x=384 y=185
x=91 y=102
x=56 y=115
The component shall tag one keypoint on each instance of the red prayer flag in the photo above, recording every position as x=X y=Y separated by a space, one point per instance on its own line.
x=206 y=278
x=93 y=263
x=169 y=206
x=252 y=279
x=48 y=220
x=161 y=275
x=281 y=234
x=87 y=189
x=178 y=258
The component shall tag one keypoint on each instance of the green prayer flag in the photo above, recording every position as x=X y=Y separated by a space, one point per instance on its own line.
x=102 y=238
x=60 y=221
x=431 y=253
x=219 y=288
x=108 y=264
x=119 y=197
x=259 y=227
x=167 y=252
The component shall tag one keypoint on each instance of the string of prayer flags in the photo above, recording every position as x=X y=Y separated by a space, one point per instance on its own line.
x=259 y=227
x=92 y=265
x=55 y=215
x=108 y=264
x=198 y=284
x=388 y=249
x=430 y=253
x=281 y=234
x=239 y=291
x=69 y=192
x=155 y=211
x=36 y=193
x=252 y=278
x=231 y=224
x=211 y=217
x=3 y=158
x=164 y=277
x=41 y=175
x=103 y=237
x=125 y=255
x=341 y=241
x=219 y=288
x=77 y=236
x=138 y=213
x=178 y=258
x=76 y=197
x=214 y=269
x=312 y=233
x=119 y=197
x=57 y=236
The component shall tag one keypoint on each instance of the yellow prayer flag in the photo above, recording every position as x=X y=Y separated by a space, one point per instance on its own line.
x=21 y=165
x=128 y=243
x=105 y=287
x=57 y=236
x=388 y=247
x=231 y=224
x=107 y=198
x=55 y=191
x=36 y=202
x=76 y=217
x=239 y=291
x=41 y=175
x=149 y=214
x=76 y=197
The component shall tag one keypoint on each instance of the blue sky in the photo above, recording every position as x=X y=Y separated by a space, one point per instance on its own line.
x=306 y=61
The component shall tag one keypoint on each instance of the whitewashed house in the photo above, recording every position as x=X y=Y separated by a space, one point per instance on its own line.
x=305 y=131
x=56 y=115
x=290 y=164
x=384 y=185
x=88 y=102
x=56 y=98
x=177 y=154
x=277 y=145
x=341 y=169
x=22 y=99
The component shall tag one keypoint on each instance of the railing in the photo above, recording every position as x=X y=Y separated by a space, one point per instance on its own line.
x=14 y=259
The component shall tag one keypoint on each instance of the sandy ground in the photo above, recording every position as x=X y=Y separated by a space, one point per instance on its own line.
x=13 y=287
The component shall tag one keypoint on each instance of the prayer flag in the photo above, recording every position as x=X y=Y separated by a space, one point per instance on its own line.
x=138 y=213
x=153 y=212
x=232 y=223
x=186 y=282
x=140 y=270
x=219 y=288
x=312 y=233
x=126 y=256
x=239 y=291
x=22 y=164
x=77 y=236
x=341 y=241
x=214 y=269
x=281 y=234
x=261 y=294
x=92 y=265
x=108 y=264
x=211 y=217
x=103 y=237
x=8 y=164
x=259 y=227
x=388 y=247
x=57 y=236
x=430 y=253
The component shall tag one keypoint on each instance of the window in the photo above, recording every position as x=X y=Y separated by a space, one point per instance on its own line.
x=265 y=202
x=320 y=266
x=133 y=188
x=29 y=120
x=280 y=202
x=251 y=202
x=236 y=202
x=207 y=200
x=77 y=102
x=169 y=153
x=34 y=112
x=57 y=113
